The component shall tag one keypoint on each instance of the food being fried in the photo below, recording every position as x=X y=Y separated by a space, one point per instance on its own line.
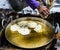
x=14 y=27
x=24 y=31
x=29 y=34
x=32 y=24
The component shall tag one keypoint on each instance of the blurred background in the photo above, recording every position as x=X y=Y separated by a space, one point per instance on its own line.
x=7 y=12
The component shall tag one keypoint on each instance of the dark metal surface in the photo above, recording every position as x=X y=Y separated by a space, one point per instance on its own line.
x=17 y=5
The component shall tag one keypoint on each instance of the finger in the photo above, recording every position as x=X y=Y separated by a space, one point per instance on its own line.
x=46 y=15
x=44 y=12
x=48 y=10
x=43 y=15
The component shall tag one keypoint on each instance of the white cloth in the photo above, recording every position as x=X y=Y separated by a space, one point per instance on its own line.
x=4 y=4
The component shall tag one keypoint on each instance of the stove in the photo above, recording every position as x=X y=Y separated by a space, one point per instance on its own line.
x=6 y=19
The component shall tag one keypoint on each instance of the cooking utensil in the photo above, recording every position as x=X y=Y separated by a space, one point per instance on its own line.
x=20 y=42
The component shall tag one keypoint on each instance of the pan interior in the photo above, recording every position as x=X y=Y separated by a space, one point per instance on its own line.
x=35 y=38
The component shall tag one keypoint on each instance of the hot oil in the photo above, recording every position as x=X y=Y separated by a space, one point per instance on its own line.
x=32 y=40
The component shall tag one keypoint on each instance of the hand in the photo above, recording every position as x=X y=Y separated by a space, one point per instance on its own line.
x=58 y=35
x=44 y=11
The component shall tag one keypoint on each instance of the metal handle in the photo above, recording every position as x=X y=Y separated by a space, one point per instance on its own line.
x=3 y=23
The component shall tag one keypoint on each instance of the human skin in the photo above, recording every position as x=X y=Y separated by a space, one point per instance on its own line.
x=34 y=4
